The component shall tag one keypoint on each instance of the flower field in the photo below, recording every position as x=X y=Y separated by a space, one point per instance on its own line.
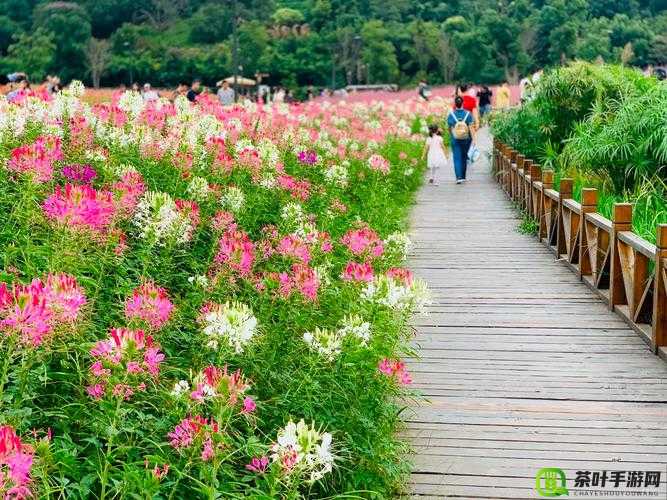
x=200 y=302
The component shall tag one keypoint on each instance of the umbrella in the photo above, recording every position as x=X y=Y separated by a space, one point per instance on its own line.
x=244 y=82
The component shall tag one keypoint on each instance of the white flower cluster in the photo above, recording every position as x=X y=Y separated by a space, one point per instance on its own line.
x=181 y=387
x=198 y=189
x=301 y=450
x=337 y=174
x=231 y=323
x=158 y=220
x=131 y=102
x=292 y=213
x=327 y=343
x=119 y=170
x=233 y=199
x=391 y=293
x=199 y=280
x=355 y=326
x=398 y=245
x=75 y=89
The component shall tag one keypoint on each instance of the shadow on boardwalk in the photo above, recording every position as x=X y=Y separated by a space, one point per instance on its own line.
x=523 y=367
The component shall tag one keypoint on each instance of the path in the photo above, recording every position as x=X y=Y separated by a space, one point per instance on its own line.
x=523 y=366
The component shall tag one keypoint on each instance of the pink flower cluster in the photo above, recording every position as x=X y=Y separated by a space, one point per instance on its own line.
x=378 y=163
x=221 y=385
x=122 y=362
x=127 y=192
x=236 y=251
x=302 y=278
x=396 y=369
x=401 y=274
x=358 y=272
x=363 y=241
x=80 y=207
x=80 y=174
x=15 y=464
x=34 y=311
x=298 y=189
x=258 y=465
x=292 y=246
x=37 y=159
x=307 y=157
x=150 y=304
x=199 y=432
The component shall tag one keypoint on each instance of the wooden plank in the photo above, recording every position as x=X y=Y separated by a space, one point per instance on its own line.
x=522 y=365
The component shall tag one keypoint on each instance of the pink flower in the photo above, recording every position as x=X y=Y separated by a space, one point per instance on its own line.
x=402 y=155
x=385 y=367
x=207 y=452
x=37 y=159
x=401 y=274
x=98 y=370
x=293 y=246
x=149 y=303
x=358 y=272
x=160 y=473
x=185 y=432
x=152 y=359
x=396 y=369
x=236 y=250
x=378 y=163
x=81 y=174
x=363 y=241
x=307 y=157
x=258 y=465
x=249 y=405
x=127 y=192
x=95 y=391
x=64 y=296
x=80 y=207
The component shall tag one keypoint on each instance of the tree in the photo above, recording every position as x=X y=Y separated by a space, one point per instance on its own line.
x=8 y=28
x=69 y=26
x=32 y=53
x=378 y=53
x=448 y=58
x=287 y=17
x=98 y=56
x=210 y=24
x=253 y=40
x=425 y=40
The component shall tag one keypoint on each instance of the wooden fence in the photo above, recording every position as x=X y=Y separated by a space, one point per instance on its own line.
x=628 y=272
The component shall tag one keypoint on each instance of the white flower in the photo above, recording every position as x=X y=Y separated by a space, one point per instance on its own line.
x=198 y=189
x=75 y=89
x=355 y=326
x=303 y=451
x=391 y=293
x=409 y=171
x=199 y=280
x=337 y=174
x=233 y=199
x=398 y=244
x=327 y=343
x=232 y=324
x=158 y=220
x=180 y=388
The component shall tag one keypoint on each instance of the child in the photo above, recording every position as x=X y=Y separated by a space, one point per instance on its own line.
x=436 y=152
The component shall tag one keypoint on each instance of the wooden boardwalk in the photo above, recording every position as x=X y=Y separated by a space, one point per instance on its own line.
x=522 y=365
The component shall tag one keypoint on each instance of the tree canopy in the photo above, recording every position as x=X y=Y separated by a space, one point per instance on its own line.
x=326 y=42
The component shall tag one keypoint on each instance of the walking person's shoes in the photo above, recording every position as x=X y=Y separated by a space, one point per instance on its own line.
x=459 y=181
x=430 y=181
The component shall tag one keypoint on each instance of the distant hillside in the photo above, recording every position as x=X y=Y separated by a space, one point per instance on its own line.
x=324 y=42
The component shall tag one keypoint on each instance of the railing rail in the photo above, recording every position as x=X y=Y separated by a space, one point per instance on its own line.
x=628 y=272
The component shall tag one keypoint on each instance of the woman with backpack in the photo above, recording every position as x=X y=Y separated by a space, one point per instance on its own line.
x=460 y=123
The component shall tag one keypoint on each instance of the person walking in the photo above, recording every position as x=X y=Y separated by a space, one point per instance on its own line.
x=462 y=132
x=194 y=91
x=225 y=93
x=503 y=97
x=434 y=151
x=484 y=100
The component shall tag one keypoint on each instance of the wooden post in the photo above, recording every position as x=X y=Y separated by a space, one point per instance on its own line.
x=659 y=330
x=520 y=160
x=589 y=204
x=533 y=198
x=565 y=194
x=525 y=185
x=545 y=203
x=621 y=221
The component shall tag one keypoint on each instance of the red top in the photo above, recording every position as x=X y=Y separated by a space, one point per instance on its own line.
x=469 y=103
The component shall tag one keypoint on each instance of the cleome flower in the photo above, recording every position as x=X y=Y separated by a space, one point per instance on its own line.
x=396 y=294
x=35 y=311
x=36 y=160
x=123 y=363
x=149 y=303
x=232 y=324
x=232 y=199
x=301 y=451
x=354 y=326
x=16 y=460
x=159 y=220
x=219 y=385
x=80 y=208
x=327 y=343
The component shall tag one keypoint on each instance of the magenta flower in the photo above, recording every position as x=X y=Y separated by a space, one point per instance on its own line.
x=236 y=250
x=149 y=303
x=95 y=391
x=307 y=157
x=249 y=405
x=80 y=207
x=36 y=159
x=396 y=369
x=355 y=271
x=363 y=241
x=80 y=174
x=258 y=465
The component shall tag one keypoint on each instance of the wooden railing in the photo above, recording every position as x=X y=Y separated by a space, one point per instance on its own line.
x=628 y=272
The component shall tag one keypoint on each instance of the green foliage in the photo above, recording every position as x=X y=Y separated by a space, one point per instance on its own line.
x=33 y=52
x=403 y=40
